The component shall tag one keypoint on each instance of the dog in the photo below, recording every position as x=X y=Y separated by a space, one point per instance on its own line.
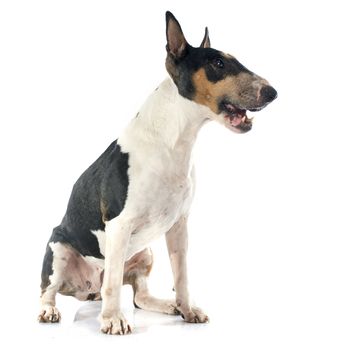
x=142 y=186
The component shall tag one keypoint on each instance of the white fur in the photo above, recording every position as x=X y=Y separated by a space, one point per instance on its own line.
x=161 y=174
x=161 y=186
x=117 y=237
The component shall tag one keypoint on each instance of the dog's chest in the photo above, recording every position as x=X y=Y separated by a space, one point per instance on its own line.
x=159 y=201
x=156 y=200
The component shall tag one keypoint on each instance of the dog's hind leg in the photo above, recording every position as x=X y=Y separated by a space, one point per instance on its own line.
x=67 y=272
x=136 y=273
x=50 y=284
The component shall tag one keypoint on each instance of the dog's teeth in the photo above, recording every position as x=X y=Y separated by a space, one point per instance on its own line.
x=244 y=118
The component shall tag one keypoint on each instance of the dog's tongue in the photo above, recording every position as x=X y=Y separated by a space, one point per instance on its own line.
x=236 y=120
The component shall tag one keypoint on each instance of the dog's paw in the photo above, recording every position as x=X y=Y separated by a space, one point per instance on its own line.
x=49 y=314
x=115 y=325
x=195 y=315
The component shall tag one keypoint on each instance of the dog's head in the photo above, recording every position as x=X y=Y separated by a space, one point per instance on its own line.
x=215 y=79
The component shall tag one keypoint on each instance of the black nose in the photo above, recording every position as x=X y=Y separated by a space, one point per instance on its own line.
x=268 y=93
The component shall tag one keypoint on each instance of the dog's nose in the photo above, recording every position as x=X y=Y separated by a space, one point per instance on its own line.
x=268 y=93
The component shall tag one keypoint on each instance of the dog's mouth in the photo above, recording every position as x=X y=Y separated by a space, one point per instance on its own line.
x=235 y=118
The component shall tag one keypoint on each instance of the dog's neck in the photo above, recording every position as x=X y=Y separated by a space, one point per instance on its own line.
x=167 y=121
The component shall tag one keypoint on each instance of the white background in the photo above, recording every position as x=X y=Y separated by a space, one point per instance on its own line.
x=269 y=230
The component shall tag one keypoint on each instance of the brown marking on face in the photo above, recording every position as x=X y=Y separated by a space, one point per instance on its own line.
x=204 y=90
x=210 y=94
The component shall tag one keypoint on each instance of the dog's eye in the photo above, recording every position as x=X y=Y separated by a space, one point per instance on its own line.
x=218 y=62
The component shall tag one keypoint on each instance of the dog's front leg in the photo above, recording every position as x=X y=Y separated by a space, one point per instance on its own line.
x=117 y=239
x=177 y=243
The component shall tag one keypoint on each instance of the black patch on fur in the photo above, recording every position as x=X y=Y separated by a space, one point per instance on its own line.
x=91 y=296
x=196 y=58
x=99 y=195
x=231 y=67
x=46 y=271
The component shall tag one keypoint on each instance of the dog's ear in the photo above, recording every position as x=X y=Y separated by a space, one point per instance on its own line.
x=176 y=42
x=206 y=41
